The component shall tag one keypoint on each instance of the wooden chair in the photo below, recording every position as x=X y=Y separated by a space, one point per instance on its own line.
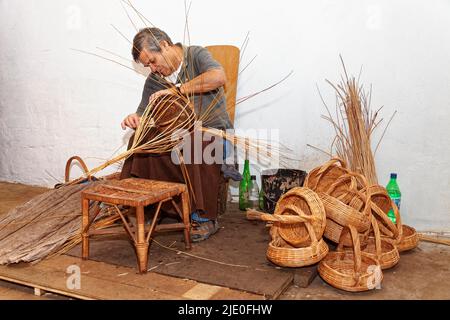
x=136 y=193
x=228 y=57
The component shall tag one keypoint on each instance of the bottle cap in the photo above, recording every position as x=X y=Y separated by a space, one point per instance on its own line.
x=393 y=176
x=253 y=178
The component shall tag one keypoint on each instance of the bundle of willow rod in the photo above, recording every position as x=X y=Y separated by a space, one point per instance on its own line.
x=354 y=124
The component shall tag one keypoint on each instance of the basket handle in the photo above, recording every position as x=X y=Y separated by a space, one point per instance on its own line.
x=356 y=180
x=253 y=214
x=356 y=250
x=298 y=211
x=398 y=221
x=68 y=166
x=383 y=216
x=330 y=163
x=341 y=180
x=312 y=235
x=377 y=235
x=324 y=168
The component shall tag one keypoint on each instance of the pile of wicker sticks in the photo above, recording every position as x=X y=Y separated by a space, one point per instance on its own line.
x=341 y=206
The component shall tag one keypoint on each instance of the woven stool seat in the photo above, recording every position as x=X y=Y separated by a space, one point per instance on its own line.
x=136 y=193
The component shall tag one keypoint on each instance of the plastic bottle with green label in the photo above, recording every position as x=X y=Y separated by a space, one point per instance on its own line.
x=395 y=194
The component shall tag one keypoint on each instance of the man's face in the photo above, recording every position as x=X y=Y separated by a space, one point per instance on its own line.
x=158 y=62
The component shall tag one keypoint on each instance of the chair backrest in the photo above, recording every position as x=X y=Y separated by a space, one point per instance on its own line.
x=228 y=57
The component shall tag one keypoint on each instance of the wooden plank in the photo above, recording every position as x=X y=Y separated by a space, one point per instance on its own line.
x=91 y=288
x=104 y=281
x=151 y=280
x=14 y=294
x=201 y=292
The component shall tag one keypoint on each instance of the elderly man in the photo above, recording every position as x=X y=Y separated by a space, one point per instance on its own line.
x=193 y=70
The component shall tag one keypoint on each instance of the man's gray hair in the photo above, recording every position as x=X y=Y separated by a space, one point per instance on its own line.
x=150 y=39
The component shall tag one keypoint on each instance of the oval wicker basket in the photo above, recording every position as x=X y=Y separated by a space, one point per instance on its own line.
x=282 y=254
x=351 y=271
x=321 y=178
x=305 y=203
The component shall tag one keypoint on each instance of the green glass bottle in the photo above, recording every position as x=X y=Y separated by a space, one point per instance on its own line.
x=244 y=187
x=395 y=194
x=261 y=198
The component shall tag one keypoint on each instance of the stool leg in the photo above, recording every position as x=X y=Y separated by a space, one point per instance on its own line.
x=187 y=224
x=84 y=229
x=141 y=243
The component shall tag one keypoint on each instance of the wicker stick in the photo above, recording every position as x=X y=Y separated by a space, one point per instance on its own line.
x=424 y=237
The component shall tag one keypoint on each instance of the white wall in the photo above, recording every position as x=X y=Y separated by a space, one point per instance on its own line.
x=55 y=102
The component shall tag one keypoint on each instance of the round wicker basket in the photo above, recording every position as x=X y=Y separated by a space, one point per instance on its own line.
x=351 y=271
x=305 y=203
x=281 y=253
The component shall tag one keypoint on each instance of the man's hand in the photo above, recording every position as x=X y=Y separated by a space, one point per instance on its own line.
x=159 y=93
x=131 y=121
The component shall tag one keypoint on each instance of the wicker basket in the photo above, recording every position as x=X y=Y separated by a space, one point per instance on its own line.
x=281 y=253
x=351 y=271
x=321 y=178
x=305 y=203
x=344 y=214
x=382 y=250
x=409 y=240
x=333 y=232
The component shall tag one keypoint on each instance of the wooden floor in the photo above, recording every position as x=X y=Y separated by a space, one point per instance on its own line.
x=98 y=280
x=73 y=277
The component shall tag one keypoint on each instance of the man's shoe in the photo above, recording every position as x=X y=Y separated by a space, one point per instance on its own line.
x=202 y=228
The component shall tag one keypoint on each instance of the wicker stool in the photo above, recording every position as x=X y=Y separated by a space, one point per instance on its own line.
x=136 y=193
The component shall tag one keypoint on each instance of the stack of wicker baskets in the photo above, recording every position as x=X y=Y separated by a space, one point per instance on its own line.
x=339 y=205
x=298 y=224
x=357 y=221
